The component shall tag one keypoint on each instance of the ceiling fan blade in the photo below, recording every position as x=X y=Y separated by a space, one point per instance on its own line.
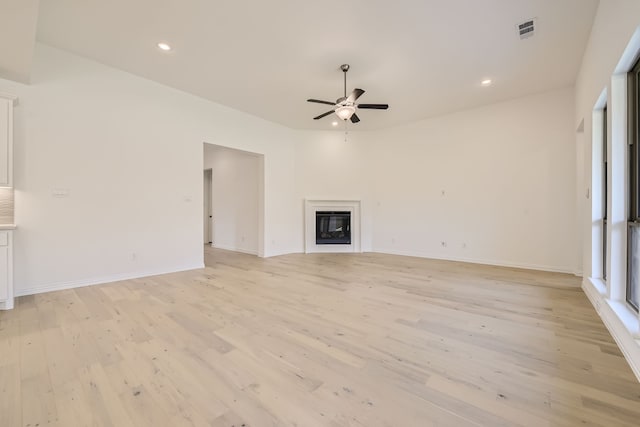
x=357 y=93
x=355 y=118
x=323 y=115
x=373 y=106
x=319 y=101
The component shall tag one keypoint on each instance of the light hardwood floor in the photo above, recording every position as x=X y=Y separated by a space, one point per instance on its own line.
x=316 y=340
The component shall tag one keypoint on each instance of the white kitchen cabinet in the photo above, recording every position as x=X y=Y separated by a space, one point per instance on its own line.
x=7 y=102
x=6 y=270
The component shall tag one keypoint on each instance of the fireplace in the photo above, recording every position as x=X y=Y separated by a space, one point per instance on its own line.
x=333 y=227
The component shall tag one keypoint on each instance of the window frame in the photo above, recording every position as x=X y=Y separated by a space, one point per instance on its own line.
x=605 y=191
x=633 y=110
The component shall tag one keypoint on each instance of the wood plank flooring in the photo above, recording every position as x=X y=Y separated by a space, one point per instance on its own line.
x=316 y=340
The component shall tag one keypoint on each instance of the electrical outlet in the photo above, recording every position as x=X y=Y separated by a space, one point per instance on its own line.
x=134 y=256
x=444 y=244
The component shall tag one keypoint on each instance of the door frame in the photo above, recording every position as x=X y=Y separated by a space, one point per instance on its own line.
x=207 y=207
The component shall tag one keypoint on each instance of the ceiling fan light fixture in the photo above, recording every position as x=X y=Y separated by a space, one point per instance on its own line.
x=345 y=111
x=345 y=107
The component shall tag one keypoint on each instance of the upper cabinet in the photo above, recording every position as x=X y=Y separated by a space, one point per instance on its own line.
x=7 y=102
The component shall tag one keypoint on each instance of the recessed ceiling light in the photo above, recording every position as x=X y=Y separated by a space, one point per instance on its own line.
x=486 y=82
x=164 y=46
x=334 y=123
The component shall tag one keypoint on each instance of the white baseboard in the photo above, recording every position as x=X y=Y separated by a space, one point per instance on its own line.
x=101 y=280
x=541 y=267
x=629 y=346
x=234 y=249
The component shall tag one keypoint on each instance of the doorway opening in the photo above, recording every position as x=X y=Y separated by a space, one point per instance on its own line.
x=233 y=199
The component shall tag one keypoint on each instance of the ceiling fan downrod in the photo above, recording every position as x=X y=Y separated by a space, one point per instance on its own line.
x=345 y=68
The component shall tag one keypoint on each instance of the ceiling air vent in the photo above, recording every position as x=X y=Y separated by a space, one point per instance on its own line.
x=526 y=29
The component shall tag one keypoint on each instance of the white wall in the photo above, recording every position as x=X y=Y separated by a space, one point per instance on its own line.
x=235 y=193
x=129 y=153
x=330 y=168
x=495 y=184
x=612 y=47
x=507 y=171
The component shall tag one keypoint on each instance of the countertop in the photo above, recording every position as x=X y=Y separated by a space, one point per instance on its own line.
x=7 y=226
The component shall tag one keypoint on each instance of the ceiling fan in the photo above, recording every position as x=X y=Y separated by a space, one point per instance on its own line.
x=346 y=107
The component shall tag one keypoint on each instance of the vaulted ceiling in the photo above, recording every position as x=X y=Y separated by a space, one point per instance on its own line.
x=423 y=57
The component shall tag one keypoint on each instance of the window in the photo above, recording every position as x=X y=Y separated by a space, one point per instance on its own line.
x=604 y=193
x=633 y=233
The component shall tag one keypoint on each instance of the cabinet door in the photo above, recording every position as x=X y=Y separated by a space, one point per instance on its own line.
x=4 y=272
x=6 y=118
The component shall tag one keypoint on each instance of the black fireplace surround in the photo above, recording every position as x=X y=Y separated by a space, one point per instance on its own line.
x=333 y=228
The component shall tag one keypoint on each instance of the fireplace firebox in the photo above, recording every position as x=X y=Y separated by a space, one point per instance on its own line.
x=333 y=228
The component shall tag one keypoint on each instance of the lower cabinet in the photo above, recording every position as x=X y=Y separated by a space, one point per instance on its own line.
x=6 y=271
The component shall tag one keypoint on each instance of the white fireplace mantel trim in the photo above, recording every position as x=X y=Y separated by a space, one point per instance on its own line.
x=317 y=204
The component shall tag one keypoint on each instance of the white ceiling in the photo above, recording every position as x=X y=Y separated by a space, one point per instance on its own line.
x=423 y=57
